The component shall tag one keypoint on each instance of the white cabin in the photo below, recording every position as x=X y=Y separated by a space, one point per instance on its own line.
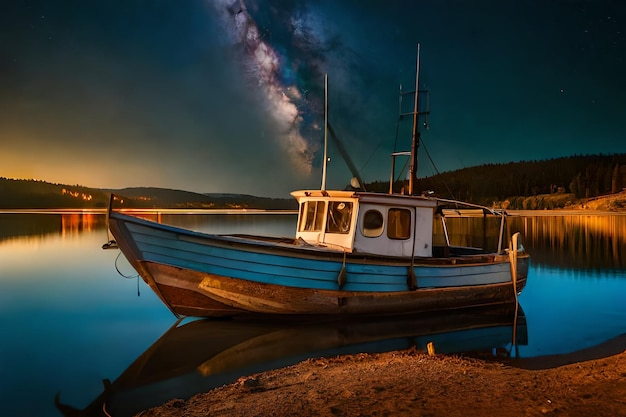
x=381 y=224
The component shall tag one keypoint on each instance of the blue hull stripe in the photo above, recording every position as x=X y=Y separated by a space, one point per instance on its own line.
x=189 y=252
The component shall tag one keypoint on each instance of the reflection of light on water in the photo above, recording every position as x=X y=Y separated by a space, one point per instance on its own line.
x=34 y=225
x=65 y=309
x=75 y=223
x=603 y=226
x=579 y=241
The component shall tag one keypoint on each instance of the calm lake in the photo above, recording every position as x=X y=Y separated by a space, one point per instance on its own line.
x=73 y=314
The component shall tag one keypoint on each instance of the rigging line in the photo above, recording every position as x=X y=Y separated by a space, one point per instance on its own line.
x=395 y=143
x=400 y=117
x=445 y=184
x=403 y=170
x=370 y=157
x=345 y=155
x=376 y=149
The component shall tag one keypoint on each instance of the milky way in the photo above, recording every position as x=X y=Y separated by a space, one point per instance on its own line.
x=266 y=68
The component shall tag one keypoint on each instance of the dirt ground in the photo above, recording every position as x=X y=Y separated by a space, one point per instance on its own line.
x=412 y=383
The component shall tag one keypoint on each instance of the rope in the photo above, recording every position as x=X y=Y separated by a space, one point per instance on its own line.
x=104 y=410
x=342 y=277
x=120 y=272
x=411 y=279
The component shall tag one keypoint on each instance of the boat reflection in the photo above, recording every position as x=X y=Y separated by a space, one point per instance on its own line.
x=196 y=356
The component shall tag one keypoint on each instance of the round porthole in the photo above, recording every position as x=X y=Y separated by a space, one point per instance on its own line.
x=372 y=223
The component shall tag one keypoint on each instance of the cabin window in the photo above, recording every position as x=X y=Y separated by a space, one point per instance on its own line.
x=339 y=217
x=311 y=216
x=399 y=223
x=372 y=223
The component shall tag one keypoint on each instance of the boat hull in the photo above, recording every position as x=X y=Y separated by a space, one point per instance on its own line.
x=204 y=275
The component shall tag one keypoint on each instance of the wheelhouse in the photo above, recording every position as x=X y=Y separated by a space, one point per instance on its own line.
x=390 y=225
x=397 y=225
x=327 y=218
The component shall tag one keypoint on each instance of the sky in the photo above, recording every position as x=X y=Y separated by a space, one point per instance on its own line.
x=227 y=96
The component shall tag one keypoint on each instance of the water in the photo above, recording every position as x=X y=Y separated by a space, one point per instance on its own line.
x=576 y=285
x=69 y=320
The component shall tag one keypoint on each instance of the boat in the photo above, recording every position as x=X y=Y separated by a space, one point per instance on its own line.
x=219 y=352
x=355 y=253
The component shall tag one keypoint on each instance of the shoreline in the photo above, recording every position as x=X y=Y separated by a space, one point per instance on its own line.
x=605 y=204
x=412 y=383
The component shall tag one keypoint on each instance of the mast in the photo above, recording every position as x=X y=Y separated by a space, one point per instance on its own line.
x=415 y=137
x=323 y=187
x=415 y=140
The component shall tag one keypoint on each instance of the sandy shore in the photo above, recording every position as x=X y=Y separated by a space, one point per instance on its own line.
x=411 y=383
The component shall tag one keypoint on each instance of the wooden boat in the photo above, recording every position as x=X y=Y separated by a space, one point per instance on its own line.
x=382 y=261
x=354 y=253
x=218 y=352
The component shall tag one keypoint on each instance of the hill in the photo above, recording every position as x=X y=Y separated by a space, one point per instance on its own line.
x=551 y=183
x=34 y=194
x=40 y=194
x=555 y=183
x=165 y=198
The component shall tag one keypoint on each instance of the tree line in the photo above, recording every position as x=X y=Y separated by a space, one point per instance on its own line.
x=36 y=194
x=584 y=176
x=17 y=193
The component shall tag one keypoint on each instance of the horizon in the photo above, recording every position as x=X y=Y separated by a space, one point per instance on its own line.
x=287 y=196
x=227 y=96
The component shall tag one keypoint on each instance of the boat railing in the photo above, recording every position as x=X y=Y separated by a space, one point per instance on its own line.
x=458 y=230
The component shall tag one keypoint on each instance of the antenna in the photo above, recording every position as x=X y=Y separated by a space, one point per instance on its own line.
x=415 y=135
x=415 y=140
x=323 y=188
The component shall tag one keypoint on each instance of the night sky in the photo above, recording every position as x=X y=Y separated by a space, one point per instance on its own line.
x=227 y=96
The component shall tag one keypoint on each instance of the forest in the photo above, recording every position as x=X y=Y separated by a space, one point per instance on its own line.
x=511 y=184
x=581 y=177
x=36 y=194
